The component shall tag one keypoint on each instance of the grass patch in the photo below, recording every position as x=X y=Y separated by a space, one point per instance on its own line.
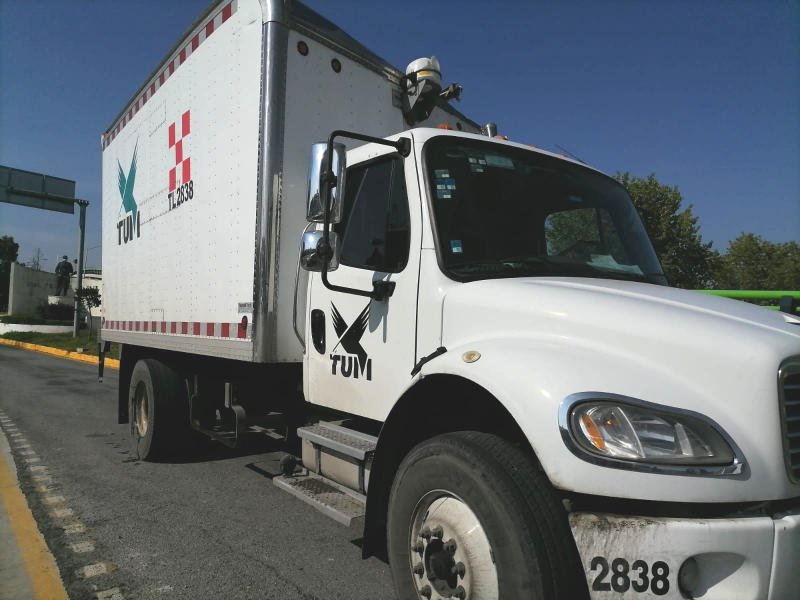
x=64 y=341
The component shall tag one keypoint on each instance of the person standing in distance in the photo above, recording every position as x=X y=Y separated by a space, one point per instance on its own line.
x=63 y=271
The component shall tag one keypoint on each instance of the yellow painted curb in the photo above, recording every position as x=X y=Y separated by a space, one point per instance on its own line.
x=39 y=564
x=111 y=363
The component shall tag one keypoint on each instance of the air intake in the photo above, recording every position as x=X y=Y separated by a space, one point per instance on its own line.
x=790 y=416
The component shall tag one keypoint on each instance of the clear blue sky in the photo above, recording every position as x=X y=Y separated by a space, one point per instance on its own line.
x=705 y=94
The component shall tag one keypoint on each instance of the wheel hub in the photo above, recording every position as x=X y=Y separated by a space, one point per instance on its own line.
x=140 y=410
x=451 y=555
x=440 y=567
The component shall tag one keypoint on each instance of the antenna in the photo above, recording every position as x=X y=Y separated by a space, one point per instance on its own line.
x=568 y=153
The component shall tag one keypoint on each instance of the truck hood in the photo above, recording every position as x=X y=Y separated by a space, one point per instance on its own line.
x=629 y=338
x=598 y=308
x=539 y=341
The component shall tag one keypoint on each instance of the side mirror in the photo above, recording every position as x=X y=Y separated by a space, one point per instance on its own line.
x=315 y=210
x=311 y=259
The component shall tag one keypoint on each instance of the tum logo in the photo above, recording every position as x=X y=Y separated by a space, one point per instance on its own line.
x=355 y=362
x=129 y=226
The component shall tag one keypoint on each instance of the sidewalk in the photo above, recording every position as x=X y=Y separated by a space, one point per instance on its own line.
x=27 y=569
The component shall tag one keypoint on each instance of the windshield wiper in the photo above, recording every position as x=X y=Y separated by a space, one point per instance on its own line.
x=522 y=265
x=623 y=275
x=536 y=265
x=478 y=265
x=546 y=265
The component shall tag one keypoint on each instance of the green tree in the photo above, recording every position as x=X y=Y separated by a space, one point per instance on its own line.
x=9 y=250
x=688 y=261
x=753 y=263
x=88 y=298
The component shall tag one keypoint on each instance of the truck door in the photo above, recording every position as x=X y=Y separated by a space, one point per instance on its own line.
x=364 y=362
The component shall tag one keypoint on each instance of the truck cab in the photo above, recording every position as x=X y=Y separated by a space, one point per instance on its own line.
x=525 y=304
x=472 y=210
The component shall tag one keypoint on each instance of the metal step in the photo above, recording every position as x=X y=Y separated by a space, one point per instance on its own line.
x=345 y=441
x=327 y=497
x=339 y=454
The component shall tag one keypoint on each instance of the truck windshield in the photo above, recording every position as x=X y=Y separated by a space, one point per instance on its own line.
x=501 y=211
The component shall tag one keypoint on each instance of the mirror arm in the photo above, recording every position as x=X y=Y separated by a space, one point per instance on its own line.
x=381 y=290
x=402 y=145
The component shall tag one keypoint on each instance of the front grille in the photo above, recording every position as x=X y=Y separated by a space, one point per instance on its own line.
x=790 y=411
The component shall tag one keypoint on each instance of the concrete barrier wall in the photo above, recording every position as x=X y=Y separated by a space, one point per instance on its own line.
x=9 y=327
x=28 y=289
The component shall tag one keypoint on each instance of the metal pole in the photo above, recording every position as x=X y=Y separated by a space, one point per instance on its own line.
x=82 y=204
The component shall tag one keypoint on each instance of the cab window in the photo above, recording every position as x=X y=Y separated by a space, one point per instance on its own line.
x=375 y=231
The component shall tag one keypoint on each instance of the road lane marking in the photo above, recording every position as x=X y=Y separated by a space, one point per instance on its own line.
x=82 y=547
x=54 y=500
x=39 y=563
x=74 y=527
x=94 y=570
x=61 y=513
x=112 y=594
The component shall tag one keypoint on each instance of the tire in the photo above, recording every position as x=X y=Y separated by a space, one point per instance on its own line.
x=470 y=516
x=158 y=408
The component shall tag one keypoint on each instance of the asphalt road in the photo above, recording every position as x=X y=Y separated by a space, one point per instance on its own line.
x=213 y=526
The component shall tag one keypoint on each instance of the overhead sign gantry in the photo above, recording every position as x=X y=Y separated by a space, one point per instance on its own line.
x=37 y=190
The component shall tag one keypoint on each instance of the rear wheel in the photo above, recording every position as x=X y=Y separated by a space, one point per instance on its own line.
x=471 y=517
x=158 y=406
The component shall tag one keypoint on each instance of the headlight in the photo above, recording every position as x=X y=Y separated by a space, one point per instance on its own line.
x=626 y=430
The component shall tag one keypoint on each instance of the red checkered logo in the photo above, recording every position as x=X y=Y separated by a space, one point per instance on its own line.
x=183 y=167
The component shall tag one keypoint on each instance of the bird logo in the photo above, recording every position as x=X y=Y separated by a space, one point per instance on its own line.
x=350 y=336
x=126 y=183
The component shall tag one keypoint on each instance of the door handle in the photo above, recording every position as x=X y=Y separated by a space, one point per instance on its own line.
x=318 y=330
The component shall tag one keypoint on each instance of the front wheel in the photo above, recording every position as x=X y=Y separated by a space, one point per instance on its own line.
x=471 y=517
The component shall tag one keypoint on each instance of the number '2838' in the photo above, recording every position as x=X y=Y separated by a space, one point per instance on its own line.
x=621 y=576
x=182 y=194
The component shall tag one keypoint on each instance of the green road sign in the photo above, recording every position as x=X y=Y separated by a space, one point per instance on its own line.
x=36 y=190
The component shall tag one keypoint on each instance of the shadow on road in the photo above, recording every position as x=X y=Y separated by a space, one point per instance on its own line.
x=202 y=449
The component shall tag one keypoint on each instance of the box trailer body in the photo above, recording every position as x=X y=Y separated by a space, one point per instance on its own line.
x=466 y=338
x=204 y=177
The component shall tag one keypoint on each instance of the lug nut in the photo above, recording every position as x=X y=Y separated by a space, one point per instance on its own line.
x=425 y=591
x=419 y=569
x=425 y=533
x=459 y=569
x=460 y=593
x=450 y=546
x=437 y=532
x=418 y=547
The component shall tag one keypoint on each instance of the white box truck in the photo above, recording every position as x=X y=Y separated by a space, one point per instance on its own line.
x=474 y=344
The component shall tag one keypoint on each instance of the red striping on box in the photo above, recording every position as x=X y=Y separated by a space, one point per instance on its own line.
x=215 y=21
